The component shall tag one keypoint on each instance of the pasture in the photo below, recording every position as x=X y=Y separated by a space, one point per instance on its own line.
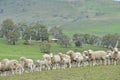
x=84 y=16
x=108 y=72
x=33 y=51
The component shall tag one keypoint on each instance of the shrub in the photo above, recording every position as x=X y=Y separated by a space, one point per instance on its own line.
x=45 y=47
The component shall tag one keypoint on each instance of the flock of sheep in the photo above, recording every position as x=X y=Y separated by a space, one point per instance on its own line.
x=60 y=60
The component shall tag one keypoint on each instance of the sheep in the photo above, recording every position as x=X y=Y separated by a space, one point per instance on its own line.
x=0 y=69
x=9 y=66
x=56 y=61
x=12 y=65
x=37 y=65
x=5 y=61
x=19 y=69
x=48 y=58
x=79 y=60
x=27 y=64
x=95 y=56
x=42 y=65
x=74 y=56
x=115 y=56
x=109 y=55
x=65 y=60
x=85 y=58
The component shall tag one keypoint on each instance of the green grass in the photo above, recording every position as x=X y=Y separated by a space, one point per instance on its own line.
x=16 y=51
x=109 y=72
x=33 y=51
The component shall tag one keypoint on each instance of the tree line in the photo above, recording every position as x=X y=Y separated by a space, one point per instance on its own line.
x=13 y=32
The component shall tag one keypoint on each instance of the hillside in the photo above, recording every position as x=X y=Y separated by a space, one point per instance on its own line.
x=81 y=16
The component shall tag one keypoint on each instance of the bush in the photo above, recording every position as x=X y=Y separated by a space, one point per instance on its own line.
x=45 y=47
x=26 y=42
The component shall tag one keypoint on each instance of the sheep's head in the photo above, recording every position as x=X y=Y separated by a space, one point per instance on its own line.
x=85 y=53
x=60 y=53
x=51 y=54
x=14 y=64
x=115 y=50
x=22 y=58
x=70 y=52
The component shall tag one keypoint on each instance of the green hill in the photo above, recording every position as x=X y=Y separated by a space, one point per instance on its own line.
x=80 y=16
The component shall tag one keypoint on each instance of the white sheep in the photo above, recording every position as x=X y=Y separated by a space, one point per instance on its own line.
x=48 y=58
x=42 y=65
x=115 y=56
x=65 y=60
x=74 y=57
x=19 y=69
x=9 y=67
x=56 y=61
x=97 y=56
x=27 y=64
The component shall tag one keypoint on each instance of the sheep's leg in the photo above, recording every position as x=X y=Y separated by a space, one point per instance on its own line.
x=94 y=62
x=109 y=61
x=115 y=62
x=63 y=65
x=104 y=61
x=78 y=64
x=54 y=66
x=40 y=68
x=69 y=65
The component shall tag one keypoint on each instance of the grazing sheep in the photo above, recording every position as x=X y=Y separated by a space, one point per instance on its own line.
x=97 y=56
x=109 y=59
x=79 y=60
x=19 y=69
x=48 y=58
x=56 y=61
x=65 y=60
x=5 y=61
x=74 y=57
x=85 y=58
x=27 y=64
x=8 y=67
x=115 y=56
x=12 y=65
x=42 y=65
x=38 y=65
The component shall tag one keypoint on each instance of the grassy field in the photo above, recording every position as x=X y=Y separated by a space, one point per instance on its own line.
x=97 y=17
x=33 y=50
x=110 y=72
x=82 y=73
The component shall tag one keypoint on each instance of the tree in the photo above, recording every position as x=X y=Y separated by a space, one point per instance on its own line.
x=41 y=32
x=55 y=32
x=64 y=40
x=10 y=31
x=22 y=29
x=28 y=35
x=78 y=40
x=110 y=40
